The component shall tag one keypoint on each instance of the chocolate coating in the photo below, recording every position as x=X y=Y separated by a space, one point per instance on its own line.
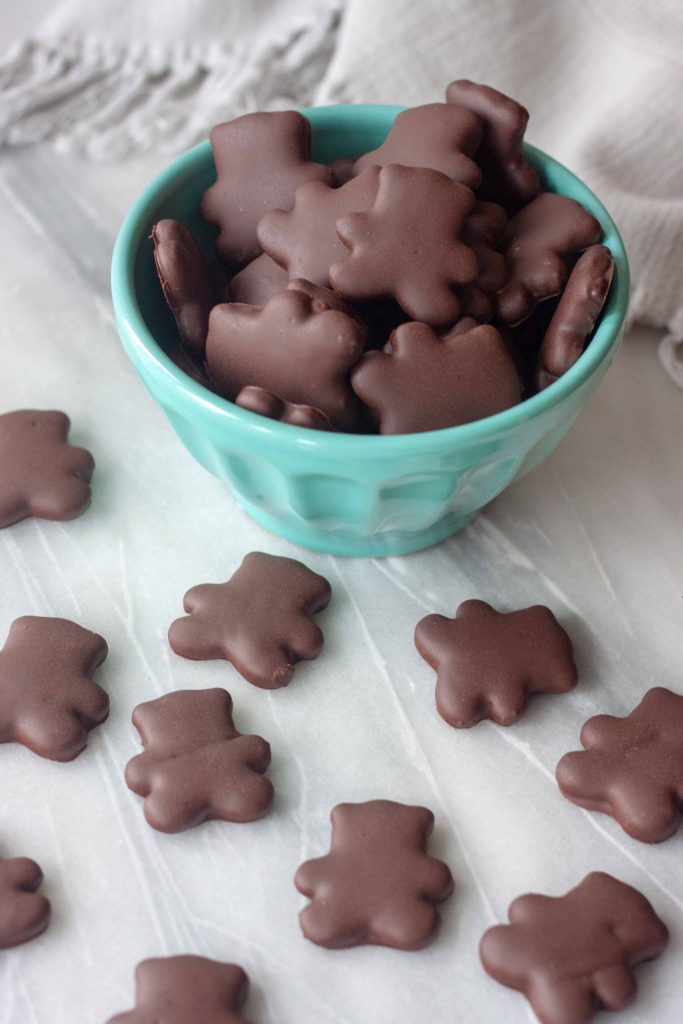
x=540 y=242
x=295 y=346
x=408 y=245
x=48 y=701
x=573 y=955
x=483 y=232
x=377 y=885
x=436 y=135
x=261 y=159
x=259 y=281
x=342 y=170
x=304 y=240
x=632 y=767
x=41 y=474
x=488 y=662
x=186 y=282
x=196 y=766
x=24 y=914
x=577 y=312
x=260 y=620
x=423 y=382
x=187 y=990
x=507 y=177
x=267 y=404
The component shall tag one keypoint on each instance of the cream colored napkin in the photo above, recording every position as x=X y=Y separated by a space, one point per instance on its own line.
x=115 y=77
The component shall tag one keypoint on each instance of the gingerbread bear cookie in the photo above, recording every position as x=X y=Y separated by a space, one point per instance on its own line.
x=632 y=767
x=437 y=135
x=260 y=159
x=48 y=700
x=576 y=314
x=260 y=620
x=541 y=242
x=185 y=281
x=423 y=382
x=573 y=955
x=187 y=990
x=488 y=662
x=196 y=766
x=24 y=913
x=377 y=885
x=296 y=347
x=409 y=245
x=304 y=240
x=41 y=474
x=507 y=176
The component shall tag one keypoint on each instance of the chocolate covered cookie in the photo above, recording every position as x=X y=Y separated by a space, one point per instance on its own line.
x=573 y=955
x=48 y=700
x=186 y=282
x=632 y=767
x=24 y=913
x=260 y=620
x=438 y=136
x=409 y=245
x=296 y=347
x=423 y=382
x=541 y=242
x=187 y=990
x=304 y=240
x=576 y=314
x=41 y=474
x=261 y=159
x=196 y=766
x=488 y=662
x=377 y=885
x=507 y=177
x=267 y=404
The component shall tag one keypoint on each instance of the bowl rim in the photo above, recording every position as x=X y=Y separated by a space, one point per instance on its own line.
x=142 y=344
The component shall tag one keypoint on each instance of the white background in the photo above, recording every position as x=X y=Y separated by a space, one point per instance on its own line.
x=595 y=533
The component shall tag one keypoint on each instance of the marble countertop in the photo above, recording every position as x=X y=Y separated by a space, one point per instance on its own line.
x=595 y=532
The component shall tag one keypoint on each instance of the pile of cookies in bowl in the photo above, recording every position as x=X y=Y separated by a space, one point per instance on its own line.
x=427 y=283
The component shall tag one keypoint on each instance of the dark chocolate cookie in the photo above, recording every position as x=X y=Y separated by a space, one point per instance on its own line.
x=48 y=700
x=260 y=620
x=186 y=282
x=632 y=767
x=187 y=990
x=409 y=245
x=488 y=662
x=196 y=766
x=507 y=176
x=24 y=913
x=577 y=313
x=423 y=382
x=41 y=474
x=377 y=885
x=296 y=347
x=573 y=955
x=261 y=159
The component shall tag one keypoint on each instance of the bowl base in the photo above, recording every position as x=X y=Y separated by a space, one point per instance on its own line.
x=351 y=545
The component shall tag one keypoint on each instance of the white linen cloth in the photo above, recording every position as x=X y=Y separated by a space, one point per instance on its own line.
x=603 y=80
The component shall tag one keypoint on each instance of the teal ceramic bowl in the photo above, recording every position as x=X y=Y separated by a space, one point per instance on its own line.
x=342 y=493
